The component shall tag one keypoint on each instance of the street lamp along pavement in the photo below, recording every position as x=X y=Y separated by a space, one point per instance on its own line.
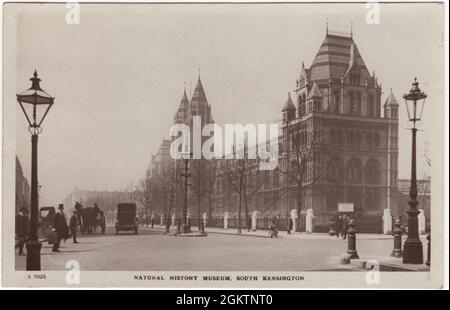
x=412 y=249
x=35 y=104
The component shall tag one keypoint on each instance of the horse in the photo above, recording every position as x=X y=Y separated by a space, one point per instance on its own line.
x=91 y=217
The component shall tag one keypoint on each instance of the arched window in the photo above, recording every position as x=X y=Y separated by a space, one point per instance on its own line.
x=369 y=140
x=352 y=103
x=351 y=137
x=358 y=104
x=354 y=171
x=335 y=170
x=339 y=137
x=377 y=140
x=370 y=107
x=337 y=102
x=372 y=171
x=332 y=136
x=358 y=138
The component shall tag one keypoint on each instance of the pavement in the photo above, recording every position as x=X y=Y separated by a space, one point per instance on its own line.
x=281 y=234
x=221 y=250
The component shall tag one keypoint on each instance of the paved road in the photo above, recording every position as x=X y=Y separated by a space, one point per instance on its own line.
x=151 y=250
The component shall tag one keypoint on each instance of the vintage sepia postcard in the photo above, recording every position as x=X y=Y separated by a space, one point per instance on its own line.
x=223 y=145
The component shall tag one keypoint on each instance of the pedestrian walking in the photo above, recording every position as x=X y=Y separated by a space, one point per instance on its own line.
x=273 y=229
x=345 y=220
x=73 y=224
x=290 y=225
x=60 y=227
x=249 y=223
x=22 y=229
x=152 y=220
x=338 y=225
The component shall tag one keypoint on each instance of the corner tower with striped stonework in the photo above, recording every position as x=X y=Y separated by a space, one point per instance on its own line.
x=354 y=147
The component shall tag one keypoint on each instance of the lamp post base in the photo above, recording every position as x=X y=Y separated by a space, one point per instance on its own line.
x=412 y=252
x=33 y=255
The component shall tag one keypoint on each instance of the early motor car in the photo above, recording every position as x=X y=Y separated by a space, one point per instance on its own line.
x=126 y=218
x=45 y=226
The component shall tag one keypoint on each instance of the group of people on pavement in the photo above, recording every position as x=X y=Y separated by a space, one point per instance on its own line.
x=60 y=229
x=22 y=229
x=341 y=225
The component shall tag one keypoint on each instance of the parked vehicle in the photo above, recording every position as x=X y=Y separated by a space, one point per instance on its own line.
x=126 y=218
x=45 y=225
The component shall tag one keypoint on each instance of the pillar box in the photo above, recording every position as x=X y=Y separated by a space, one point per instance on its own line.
x=294 y=217
x=254 y=220
x=309 y=221
x=225 y=220
x=387 y=222
x=421 y=218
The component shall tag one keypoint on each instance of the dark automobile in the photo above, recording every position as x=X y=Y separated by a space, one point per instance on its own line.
x=126 y=218
x=46 y=217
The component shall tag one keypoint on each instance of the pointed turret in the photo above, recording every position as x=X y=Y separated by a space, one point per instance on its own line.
x=199 y=103
x=391 y=106
x=315 y=92
x=181 y=116
x=390 y=100
x=289 y=105
x=199 y=97
x=288 y=109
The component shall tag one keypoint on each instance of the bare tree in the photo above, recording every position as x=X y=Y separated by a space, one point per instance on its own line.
x=168 y=179
x=203 y=178
x=145 y=190
x=304 y=161
x=244 y=179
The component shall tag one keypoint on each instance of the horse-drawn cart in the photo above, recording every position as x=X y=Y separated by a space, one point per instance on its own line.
x=90 y=218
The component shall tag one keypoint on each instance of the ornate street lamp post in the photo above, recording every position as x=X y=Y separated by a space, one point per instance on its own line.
x=185 y=174
x=412 y=250
x=35 y=104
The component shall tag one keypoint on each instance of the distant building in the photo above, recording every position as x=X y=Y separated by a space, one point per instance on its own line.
x=23 y=189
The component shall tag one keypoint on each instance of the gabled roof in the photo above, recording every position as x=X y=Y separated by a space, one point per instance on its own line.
x=336 y=54
x=315 y=92
x=289 y=105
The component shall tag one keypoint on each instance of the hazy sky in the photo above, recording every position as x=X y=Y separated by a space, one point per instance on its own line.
x=118 y=76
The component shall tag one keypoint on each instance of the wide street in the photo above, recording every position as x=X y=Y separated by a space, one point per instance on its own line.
x=151 y=250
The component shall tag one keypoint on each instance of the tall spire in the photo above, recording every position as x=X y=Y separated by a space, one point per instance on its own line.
x=199 y=97
x=327 y=25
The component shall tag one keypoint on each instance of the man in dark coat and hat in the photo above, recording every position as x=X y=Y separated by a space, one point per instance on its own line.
x=60 y=227
x=74 y=225
x=22 y=228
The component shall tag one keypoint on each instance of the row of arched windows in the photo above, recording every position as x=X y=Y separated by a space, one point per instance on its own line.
x=355 y=138
x=353 y=172
x=355 y=104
